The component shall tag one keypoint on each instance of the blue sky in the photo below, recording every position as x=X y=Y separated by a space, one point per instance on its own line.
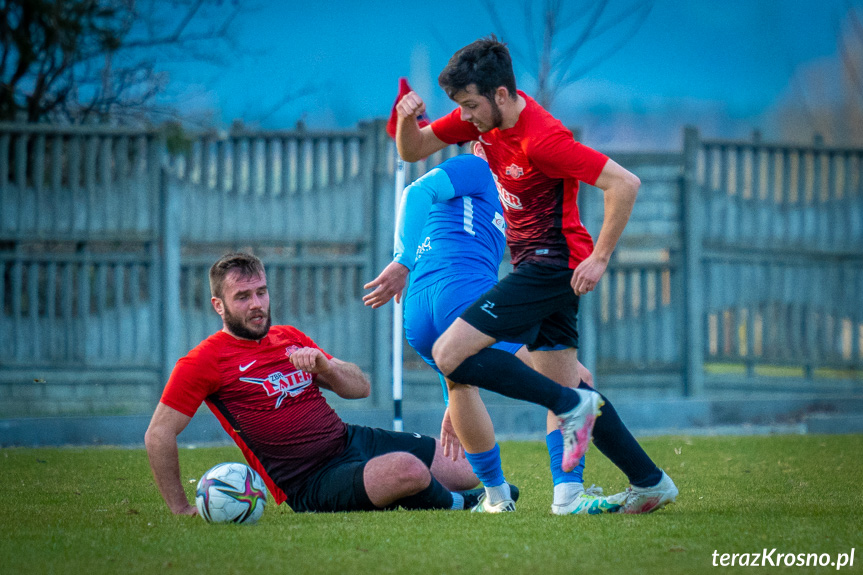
x=693 y=60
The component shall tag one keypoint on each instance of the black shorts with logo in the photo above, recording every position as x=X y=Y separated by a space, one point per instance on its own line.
x=339 y=486
x=534 y=305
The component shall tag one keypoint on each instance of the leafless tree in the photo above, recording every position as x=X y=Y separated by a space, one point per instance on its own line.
x=851 y=55
x=827 y=99
x=97 y=61
x=562 y=40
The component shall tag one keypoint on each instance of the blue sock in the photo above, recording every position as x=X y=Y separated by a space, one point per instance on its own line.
x=487 y=466
x=554 y=442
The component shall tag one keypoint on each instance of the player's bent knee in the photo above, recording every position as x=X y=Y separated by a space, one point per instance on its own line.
x=446 y=357
x=404 y=471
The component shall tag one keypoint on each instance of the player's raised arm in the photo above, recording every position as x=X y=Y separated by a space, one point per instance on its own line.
x=345 y=379
x=161 y=442
x=414 y=143
x=620 y=187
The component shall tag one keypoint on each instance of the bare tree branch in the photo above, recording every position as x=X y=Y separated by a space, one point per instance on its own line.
x=288 y=97
x=86 y=60
x=573 y=74
x=532 y=48
x=570 y=52
x=496 y=21
x=547 y=52
x=849 y=64
x=850 y=61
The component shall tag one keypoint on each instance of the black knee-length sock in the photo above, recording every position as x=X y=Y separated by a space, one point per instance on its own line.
x=503 y=373
x=614 y=440
x=435 y=496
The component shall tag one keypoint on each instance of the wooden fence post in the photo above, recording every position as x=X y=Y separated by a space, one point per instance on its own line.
x=169 y=238
x=380 y=236
x=693 y=227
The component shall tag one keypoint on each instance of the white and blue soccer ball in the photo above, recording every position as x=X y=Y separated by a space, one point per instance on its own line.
x=231 y=493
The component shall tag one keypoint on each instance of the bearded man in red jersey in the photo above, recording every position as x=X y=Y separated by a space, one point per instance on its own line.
x=264 y=383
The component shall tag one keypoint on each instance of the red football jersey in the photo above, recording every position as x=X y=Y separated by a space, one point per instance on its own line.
x=537 y=165
x=274 y=412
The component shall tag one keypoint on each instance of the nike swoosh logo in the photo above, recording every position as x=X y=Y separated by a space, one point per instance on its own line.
x=483 y=142
x=247 y=366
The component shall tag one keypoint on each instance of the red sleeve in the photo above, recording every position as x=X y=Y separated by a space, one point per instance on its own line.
x=559 y=156
x=191 y=381
x=452 y=130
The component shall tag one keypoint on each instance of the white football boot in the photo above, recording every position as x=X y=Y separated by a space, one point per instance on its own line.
x=646 y=499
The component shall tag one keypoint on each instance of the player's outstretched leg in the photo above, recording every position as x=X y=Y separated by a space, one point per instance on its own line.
x=503 y=373
x=651 y=488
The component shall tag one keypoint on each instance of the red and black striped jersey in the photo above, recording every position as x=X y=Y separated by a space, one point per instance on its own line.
x=274 y=412
x=537 y=165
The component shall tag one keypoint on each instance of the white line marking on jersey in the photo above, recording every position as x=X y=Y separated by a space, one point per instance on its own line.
x=468 y=215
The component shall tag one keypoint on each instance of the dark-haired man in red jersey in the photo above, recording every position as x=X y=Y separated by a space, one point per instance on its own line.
x=537 y=167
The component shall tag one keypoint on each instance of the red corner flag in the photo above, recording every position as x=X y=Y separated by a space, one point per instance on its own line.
x=422 y=119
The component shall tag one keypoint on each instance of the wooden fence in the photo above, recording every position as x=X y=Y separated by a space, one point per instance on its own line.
x=742 y=266
x=742 y=263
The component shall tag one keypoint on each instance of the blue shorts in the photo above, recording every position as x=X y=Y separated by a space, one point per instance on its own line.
x=432 y=309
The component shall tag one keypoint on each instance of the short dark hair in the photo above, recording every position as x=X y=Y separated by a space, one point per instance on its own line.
x=247 y=265
x=486 y=63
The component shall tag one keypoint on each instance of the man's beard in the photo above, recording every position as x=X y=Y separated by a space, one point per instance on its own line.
x=236 y=326
x=496 y=116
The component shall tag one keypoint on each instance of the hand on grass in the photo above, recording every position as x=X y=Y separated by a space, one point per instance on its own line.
x=187 y=510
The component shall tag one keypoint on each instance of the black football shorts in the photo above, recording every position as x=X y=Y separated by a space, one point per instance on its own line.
x=339 y=486
x=533 y=305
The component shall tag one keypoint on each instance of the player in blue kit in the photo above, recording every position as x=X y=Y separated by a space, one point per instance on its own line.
x=450 y=235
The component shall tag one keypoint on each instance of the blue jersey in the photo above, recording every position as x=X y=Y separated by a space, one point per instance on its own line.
x=451 y=223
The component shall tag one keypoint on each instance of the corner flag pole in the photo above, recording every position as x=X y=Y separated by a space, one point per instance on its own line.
x=398 y=338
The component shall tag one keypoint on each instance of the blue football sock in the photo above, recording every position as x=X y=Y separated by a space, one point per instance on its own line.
x=487 y=466
x=554 y=442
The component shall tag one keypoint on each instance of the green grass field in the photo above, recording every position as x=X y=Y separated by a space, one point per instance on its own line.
x=96 y=510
